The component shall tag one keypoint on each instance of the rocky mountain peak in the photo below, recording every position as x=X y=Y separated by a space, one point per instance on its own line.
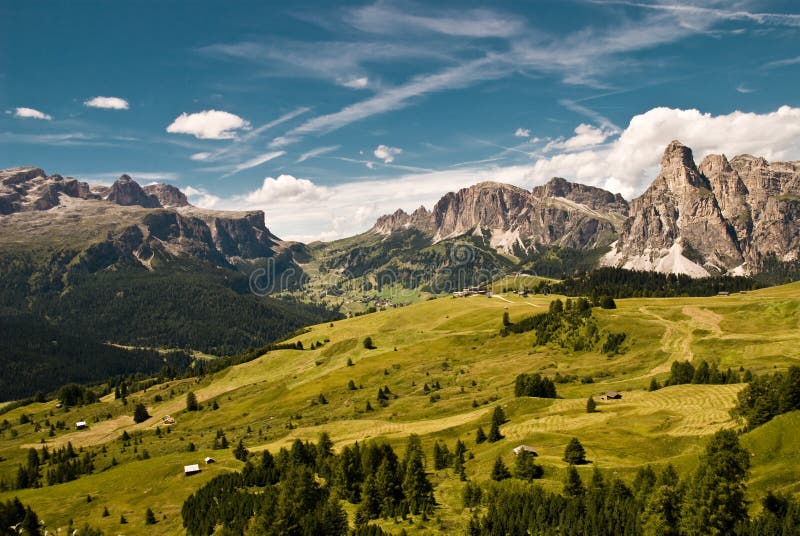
x=590 y=196
x=167 y=195
x=126 y=192
x=678 y=170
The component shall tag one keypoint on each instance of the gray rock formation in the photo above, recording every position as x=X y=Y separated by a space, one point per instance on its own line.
x=558 y=213
x=719 y=217
x=126 y=192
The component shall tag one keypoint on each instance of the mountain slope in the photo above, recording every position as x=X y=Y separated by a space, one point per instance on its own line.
x=142 y=266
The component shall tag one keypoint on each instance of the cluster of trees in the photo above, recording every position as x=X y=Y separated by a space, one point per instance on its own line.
x=568 y=324
x=769 y=395
x=61 y=465
x=534 y=385
x=621 y=283
x=443 y=458
x=298 y=490
x=709 y=501
x=682 y=372
x=525 y=468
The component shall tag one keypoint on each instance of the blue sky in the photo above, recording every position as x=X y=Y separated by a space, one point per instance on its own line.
x=327 y=116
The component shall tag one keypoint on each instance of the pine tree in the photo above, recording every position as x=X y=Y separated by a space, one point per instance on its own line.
x=140 y=413
x=525 y=467
x=458 y=460
x=715 y=499
x=573 y=485
x=149 y=517
x=574 y=453
x=506 y=319
x=368 y=344
x=240 y=452
x=591 y=405
x=191 y=402
x=499 y=470
x=498 y=418
x=480 y=435
x=351 y=385
x=654 y=386
x=106 y=513
x=417 y=488
x=122 y=519
x=662 y=512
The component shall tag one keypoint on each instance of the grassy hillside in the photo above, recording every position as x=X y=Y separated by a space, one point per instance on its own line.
x=454 y=343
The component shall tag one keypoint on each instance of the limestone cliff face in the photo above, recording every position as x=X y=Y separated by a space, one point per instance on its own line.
x=558 y=213
x=140 y=224
x=721 y=216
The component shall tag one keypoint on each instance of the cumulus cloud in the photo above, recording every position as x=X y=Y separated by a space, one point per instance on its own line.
x=208 y=125
x=30 y=113
x=585 y=136
x=108 y=103
x=386 y=153
x=522 y=132
x=629 y=163
x=201 y=197
x=285 y=189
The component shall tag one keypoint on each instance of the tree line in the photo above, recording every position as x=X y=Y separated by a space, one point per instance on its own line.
x=711 y=500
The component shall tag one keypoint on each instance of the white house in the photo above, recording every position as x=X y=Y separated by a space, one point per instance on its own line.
x=191 y=469
x=209 y=459
x=524 y=448
x=80 y=425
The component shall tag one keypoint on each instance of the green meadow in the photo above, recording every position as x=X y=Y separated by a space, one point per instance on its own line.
x=452 y=343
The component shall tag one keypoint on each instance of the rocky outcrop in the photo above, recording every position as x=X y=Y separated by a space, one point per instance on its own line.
x=126 y=192
x=145 y=224
x=558 y=213
x=719 y=217
x=168 y=196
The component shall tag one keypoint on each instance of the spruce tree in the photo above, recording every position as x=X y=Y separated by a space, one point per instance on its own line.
x=191 y=402
x=715 y=499
x=525 y=467
x=240 y=452
x=573 y=485
x=591 y=405
x=499 y=470
x=654 y=386
x=140 y=413
x=574 y=453
x=498 y=418
x=480 y=435
x=149 y=517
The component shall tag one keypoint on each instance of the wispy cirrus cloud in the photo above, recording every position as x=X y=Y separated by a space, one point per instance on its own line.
x=319 y=151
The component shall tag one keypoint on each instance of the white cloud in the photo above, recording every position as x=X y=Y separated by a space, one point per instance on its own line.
x=285 y=189
x=208 y=125
x=201 y=197
x=200 y=156
x=283 y=141
x=585 y=136
x=741 y=88
x=357 y=83
x=783 y=63
x=30 y=113
x=257 y=161
x=319 y=151
x=383 y=18
x=522 y=132
x=109 y=103
x=386 y=153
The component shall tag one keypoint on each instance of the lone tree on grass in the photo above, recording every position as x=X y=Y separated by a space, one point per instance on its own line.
x=191 y=402
x=368 y=344
x=480 y=435
x=574 y=454
x=591 y=405
x=140 y=413
x=149 y=517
